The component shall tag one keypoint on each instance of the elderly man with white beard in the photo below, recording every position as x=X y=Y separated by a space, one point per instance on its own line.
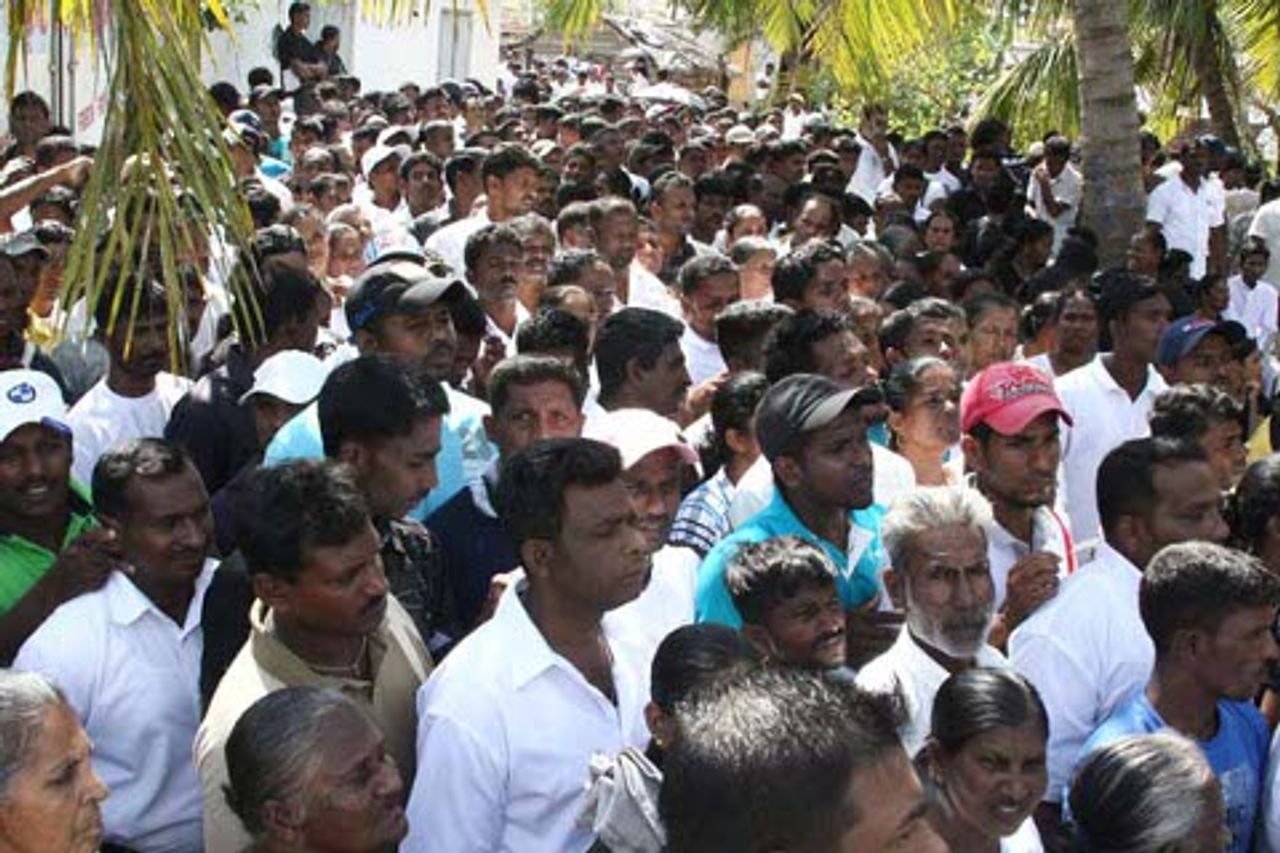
x=940 y=577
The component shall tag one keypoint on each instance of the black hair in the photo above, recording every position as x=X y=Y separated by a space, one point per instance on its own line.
x=463 y=160
x=289 y=509
x=414 y=159
x=1197 y=585
x=1186 y=412
x=532 y=483
x=897 y=327
x=796 y=271
x=742 y=328
x=632 y=334
x=506 y=160
x=468 y=316
x=575 y=214
x=733 y=406
x=1255 y=502
x=903 y=380
x=29 y=99
x=553 y=330
x=530 y=370
x=264 y=207
x=148 y=458
x=261 y=76
x=699 y=268
x=138 y=285
x=762 y=575
x=1069 y=293
x=1126 y=477
x=788 y=348
x=225 y=95
x=692 y=656
x=486 y=239
x=667 y=183
x=978 y=700
x=373 y=398
x=764 y=761
x=282 y=293
x=569 y=267
x=977 y=307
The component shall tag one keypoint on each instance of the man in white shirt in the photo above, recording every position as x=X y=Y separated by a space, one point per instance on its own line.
x=512 y=181
x=380 y=166
x=1250 y=305
x=1010 y=417
x=616 y=228
x=1265 y=229
x=708 y=285
x=878 y=159
x=1109 y=399
x=1187 y=209
x=1053 y=194
x=938 y=573
x=1087 y=651
x=509 y=724
x=494 y=259
x=136 y=397
x=640 y=363
x=128 y=655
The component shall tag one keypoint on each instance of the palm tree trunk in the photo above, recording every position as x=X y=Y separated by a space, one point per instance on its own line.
x=1114 y=202
x=1213 y=81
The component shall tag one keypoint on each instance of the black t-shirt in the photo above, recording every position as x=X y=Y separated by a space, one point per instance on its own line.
x=294 y=45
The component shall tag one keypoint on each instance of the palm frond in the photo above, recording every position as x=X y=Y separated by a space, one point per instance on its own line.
x=1040 y=91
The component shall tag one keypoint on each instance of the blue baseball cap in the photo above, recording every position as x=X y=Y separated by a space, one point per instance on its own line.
x=1185 y=333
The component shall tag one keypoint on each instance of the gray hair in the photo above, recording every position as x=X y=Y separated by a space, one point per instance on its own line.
x=272 y=750
x=24 y=699
x=1141 y=794
x=929 y=508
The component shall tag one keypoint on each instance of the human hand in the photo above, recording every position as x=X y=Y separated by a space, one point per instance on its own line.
x=86 y=563
x=1033 y=580
x=869 y=634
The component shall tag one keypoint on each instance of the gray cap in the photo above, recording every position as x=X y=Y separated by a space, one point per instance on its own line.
x=22 y=243
x=398 y=287
x=802 y=403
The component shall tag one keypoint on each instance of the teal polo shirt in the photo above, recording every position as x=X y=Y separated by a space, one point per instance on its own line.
x=858 y=567
x=23 y=563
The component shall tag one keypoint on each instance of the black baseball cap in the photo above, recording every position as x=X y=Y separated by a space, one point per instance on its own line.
x=802 y=403
x=398 y=287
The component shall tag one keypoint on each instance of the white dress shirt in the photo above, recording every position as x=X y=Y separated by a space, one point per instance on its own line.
x=1086 y=652
x=1067 y=189
x=1266 y=227
x=646 y=290
x=871 y=170
x=450 y=242
x=508 y=341
x=1105 y=417
x=133 y=677
x=667 y=603
x=1186 y=216
x=1255 y=308
x=507 y=729
x=701 y=356
x=908 y=669
x=1048 y=535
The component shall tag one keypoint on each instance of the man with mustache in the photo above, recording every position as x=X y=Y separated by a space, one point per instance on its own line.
x=509 y=724
x=323 y=617
x=785 y=589
x=1010 y=416
x=1209 y=611
x=128 y=655
x=136 y=397
x=495 y=258
x=939 y=575
x=401 y=308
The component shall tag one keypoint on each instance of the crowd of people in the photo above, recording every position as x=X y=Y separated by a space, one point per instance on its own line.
x=579 y=470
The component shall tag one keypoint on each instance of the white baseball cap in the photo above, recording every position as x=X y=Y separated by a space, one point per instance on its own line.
x=636 y=433
x=375 y=156
x=292 y=375
x=30 y=397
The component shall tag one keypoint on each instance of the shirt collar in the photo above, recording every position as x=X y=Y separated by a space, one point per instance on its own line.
x=1104 y=377
x=126 y=604
x=280 y=661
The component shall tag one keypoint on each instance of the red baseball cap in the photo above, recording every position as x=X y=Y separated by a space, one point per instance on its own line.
x=1007 y=397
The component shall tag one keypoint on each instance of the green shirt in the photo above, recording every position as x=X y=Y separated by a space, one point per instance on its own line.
x=23 y=563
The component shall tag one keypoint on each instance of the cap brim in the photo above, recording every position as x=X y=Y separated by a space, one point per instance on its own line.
x=835 y=405
x=420 y=297
x=1014 y=417
x=44 y=420
x=687 y=454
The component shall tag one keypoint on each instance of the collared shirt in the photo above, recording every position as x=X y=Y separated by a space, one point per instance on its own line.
x=703 y=517
x=508 y=728
x=1186 y=217
x=450 y=242
x=1049 y=535
x=508 y=341
x=908 y=669
x=23 y=563
x=1105 y=417
x=1086 y=652
x=465 y=449
x=400 y=665
x=646 y=290
x=1266 y=227
x=1255 y=308
x=1067 y=188
x=701 y=356
x=132 y=675
x=667 y=602
x=858 y=565
x=871 y=170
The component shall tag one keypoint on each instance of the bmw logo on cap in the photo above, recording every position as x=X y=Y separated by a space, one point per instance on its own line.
x=22 y=393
